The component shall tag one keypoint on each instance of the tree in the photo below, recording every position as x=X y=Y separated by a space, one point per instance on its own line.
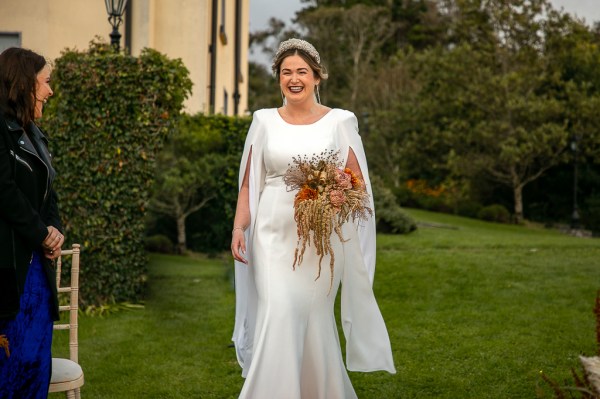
x=355 y=39
x=264 y=90
x=351 y=40
x=525 y=129
x=498 y=106
x=482 y=96
x=418 y=24
x=187 y=176
x=210 y=147
x=267 y=40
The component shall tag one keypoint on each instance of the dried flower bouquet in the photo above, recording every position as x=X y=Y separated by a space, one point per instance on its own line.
x=328 y=196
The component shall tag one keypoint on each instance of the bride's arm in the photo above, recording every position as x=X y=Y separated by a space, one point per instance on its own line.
x=242 y=217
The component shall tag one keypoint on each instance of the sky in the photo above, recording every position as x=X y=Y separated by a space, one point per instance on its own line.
x=262 y=10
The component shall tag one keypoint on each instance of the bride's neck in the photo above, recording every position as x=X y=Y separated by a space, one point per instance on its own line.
x=308 y=108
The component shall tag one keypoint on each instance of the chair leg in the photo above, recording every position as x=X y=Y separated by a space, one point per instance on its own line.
x=77 y=393
x=71 y=394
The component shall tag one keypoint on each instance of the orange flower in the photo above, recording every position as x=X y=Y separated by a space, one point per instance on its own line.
x=357 y=182
x=306 y=193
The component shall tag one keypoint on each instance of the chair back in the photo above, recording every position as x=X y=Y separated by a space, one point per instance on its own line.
x=72 y=289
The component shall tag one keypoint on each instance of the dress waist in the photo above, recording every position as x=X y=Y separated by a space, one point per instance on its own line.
x=274 y=181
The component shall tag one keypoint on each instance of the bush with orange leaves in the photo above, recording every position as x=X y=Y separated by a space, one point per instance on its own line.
x=417 y=186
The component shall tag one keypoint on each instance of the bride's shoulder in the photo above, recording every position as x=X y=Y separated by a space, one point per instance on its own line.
x=343 y=115
x=264 y=113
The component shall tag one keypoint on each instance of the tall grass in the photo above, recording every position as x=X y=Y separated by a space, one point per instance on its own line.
x=474 y=310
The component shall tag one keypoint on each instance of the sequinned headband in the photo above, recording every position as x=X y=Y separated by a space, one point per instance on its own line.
x=298 y=44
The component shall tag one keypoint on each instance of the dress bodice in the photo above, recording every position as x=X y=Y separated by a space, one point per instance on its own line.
x=284 y=141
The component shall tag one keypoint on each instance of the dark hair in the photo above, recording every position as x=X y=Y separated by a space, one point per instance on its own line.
x=18 y=81
x=318 y=69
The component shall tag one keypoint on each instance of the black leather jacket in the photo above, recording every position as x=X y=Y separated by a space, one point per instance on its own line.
x=28 y=205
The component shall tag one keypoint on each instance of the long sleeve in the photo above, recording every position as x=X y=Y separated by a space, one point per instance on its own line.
x=246 y=296
x=15 y=208
x=52 y=216
x=350 y=139
x=368 y=346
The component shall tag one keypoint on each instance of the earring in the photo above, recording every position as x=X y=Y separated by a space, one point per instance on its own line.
x=317 y=94
x=283 y=98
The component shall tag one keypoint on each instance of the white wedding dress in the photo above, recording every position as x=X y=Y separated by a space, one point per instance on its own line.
x=285 y=334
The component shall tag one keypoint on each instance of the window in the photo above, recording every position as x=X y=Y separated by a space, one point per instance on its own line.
x=9 y=39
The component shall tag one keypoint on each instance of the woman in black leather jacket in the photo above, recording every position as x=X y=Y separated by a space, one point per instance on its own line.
x=30 y=229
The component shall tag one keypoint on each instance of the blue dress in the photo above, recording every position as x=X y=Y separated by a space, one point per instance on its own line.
x=26 y=372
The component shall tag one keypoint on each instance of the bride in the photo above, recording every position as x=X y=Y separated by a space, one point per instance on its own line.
x=285 y=331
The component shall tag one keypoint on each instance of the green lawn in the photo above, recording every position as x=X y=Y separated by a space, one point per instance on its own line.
x=474 y=310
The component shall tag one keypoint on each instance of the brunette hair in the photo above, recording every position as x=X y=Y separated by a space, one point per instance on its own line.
x=18 y=81
x=317 y=68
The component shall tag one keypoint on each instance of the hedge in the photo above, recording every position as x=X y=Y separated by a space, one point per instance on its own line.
x=108 y=118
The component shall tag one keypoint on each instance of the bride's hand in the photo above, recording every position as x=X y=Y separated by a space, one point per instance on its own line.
x=238 y=245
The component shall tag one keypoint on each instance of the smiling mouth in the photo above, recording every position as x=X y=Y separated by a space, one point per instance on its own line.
x=295 y=89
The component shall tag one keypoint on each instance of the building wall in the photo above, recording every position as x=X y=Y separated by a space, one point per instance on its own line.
x=178 y=32
x=49 y=26
x=177 y=28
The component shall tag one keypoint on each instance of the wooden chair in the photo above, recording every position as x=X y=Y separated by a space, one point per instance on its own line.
x=67 y=375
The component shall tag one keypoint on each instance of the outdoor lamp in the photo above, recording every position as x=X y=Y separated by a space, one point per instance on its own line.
x=115 y=10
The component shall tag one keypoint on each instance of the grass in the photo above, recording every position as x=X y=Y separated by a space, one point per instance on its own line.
x=474 y=310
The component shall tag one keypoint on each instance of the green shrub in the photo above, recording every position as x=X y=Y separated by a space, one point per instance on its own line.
x=394 y=221
x=435 y=204
x=110 y=115
x=468 y=208
x=494 y=213
x=159 y=243
x=591 y=215
x=389 y=216
x=218 y=141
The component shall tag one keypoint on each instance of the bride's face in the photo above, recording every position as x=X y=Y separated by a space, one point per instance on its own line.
x=297 y=80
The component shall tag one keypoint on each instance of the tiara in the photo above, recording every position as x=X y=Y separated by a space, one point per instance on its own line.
x=298 y=44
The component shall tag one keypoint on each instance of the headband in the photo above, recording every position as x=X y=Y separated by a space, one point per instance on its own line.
x=298 y=44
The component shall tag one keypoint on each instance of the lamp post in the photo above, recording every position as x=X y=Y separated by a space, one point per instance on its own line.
x=115 y=10
x=575 y=215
